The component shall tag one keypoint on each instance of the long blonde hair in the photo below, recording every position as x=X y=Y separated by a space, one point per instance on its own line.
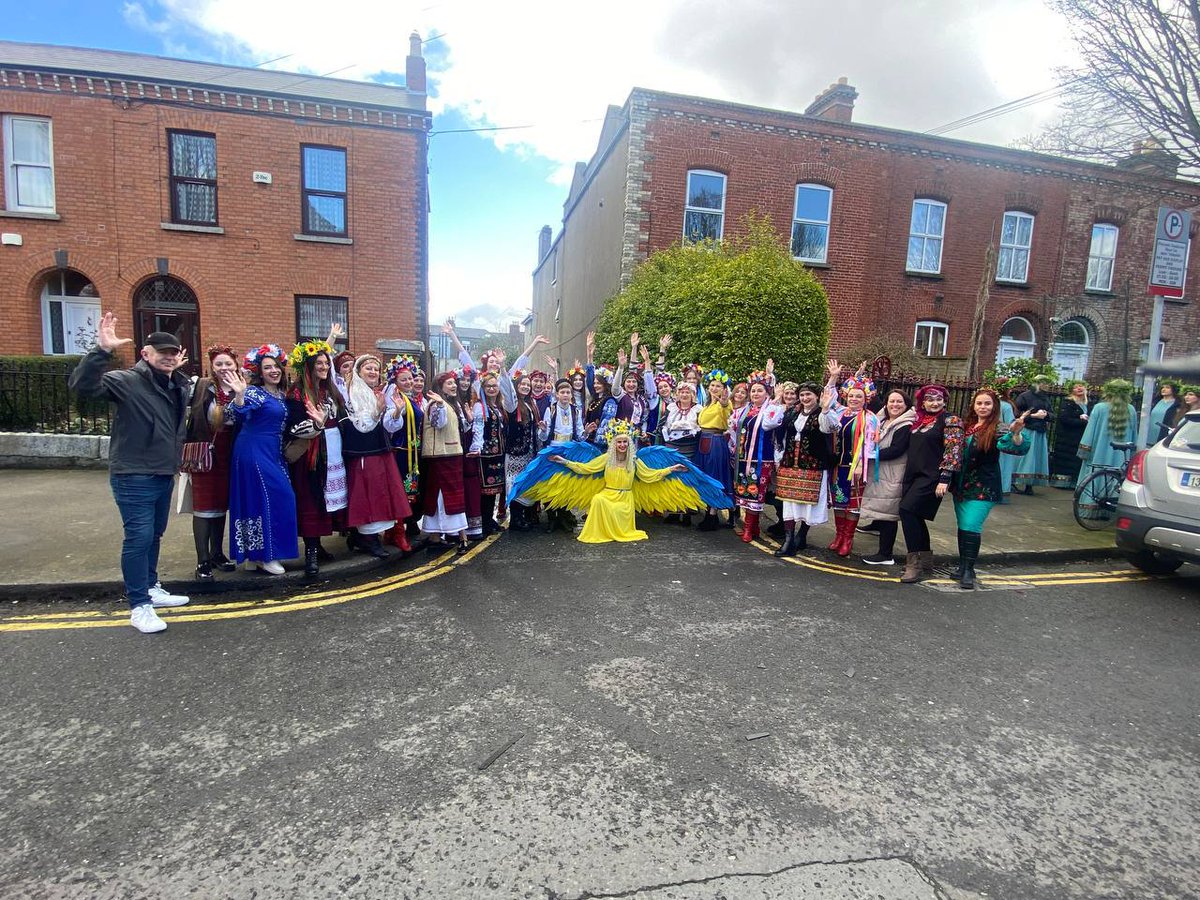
x=630 y=463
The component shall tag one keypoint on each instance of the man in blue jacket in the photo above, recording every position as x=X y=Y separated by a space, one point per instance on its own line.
x=144 y=449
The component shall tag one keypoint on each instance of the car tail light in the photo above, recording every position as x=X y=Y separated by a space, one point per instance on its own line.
x=1137 y=468
x=1123 y=523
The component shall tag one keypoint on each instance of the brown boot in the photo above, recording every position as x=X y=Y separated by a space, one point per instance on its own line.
x=912 y=569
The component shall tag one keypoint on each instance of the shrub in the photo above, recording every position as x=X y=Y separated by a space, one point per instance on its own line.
x=731 y=305
x=34 y=397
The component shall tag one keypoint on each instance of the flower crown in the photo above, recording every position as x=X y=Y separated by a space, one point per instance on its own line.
x=396 y=363
x=717 y=375
x=220 y=350
x=864 y=384
x=576 y=370
x=517 y=374
x=605 y=372
x=758 y=377
x=619 y=428
x=693 y=367
x=665 y=376
x=307 y=350
x=467 y=372
x=252 y=361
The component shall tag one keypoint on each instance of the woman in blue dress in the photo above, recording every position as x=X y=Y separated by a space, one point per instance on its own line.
x=1112 y=420
x=1162 y=416
x=262 y=504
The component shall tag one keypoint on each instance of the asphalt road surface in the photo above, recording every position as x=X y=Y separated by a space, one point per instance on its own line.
x=682 y=718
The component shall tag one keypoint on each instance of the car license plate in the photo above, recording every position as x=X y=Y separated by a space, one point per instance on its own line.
x=1190 y=480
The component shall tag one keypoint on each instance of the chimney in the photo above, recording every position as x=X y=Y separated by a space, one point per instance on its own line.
x=414 y=65
x=835 y=103
x=544 y=242
x=1150 y=158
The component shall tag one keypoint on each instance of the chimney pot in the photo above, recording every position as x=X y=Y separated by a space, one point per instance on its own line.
x=414 y=65
x=835 y=103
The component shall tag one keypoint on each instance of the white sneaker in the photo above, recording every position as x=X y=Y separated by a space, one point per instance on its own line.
x=160 y=597
x=146 y=620
x=273 y=567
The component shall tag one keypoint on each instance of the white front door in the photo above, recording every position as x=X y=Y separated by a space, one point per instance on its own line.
x=80 y=321
x=1071 y=360
x=1009 y=349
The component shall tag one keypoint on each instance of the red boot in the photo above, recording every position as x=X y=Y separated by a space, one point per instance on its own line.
x=399 y=539
x=750 y=531
x=836 y=544
x=847 y=530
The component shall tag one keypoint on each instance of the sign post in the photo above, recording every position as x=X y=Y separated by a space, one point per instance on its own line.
x=1168 y=272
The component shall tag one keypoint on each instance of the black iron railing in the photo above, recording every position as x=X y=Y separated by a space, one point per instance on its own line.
x=38 y=400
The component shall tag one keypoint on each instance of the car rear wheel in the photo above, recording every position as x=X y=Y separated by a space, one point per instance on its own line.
x=1154 y=563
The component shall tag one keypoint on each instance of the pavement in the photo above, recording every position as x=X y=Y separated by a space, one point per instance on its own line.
x=66 y=539
x=686 y=717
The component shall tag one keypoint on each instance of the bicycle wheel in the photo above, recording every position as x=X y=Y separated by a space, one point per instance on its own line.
x=1095 y=502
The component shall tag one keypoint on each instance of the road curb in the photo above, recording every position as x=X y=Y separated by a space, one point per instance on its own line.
x=239 y=582
x=1036 y=557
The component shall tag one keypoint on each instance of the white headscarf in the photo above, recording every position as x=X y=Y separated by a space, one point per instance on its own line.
x=361 y=404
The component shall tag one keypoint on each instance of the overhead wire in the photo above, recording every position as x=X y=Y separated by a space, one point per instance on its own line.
x=1001 y=109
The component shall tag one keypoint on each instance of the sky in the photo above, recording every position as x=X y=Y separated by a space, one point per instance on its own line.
x=552 y=68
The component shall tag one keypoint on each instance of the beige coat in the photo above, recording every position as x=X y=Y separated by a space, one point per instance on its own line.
x=881 y=499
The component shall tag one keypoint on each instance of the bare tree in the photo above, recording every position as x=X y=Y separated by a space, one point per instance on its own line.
x=1137 y=86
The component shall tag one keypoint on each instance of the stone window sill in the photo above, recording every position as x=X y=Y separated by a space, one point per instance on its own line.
x=322 y=239
x=1093 y=292
x=812 y=264
x=18 y=214
x=931 y=276
x=1019 y=285
x=198 y=229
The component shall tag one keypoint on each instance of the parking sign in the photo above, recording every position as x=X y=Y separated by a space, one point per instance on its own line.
x=1168 y=269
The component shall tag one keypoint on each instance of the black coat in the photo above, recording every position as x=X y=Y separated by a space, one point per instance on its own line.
x=1033 y=401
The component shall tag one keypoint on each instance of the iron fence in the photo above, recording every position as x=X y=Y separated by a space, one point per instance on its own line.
x=36 y=400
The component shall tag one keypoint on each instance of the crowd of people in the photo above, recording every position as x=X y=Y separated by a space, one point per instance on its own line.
x=283 y=448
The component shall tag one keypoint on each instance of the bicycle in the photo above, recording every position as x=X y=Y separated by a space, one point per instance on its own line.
x=1095 y=500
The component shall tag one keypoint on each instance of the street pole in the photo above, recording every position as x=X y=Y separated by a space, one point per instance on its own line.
x=1148 y=398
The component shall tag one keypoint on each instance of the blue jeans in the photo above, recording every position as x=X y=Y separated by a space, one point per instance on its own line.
x=145 y=505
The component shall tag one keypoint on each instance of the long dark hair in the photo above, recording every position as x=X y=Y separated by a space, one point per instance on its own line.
x=307 y=387
x=984 y=430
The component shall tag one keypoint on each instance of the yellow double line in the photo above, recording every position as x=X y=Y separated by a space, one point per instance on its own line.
x=211 y=612
x=1048 y=579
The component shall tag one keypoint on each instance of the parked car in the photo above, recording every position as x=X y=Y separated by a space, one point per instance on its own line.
x=1158 y=510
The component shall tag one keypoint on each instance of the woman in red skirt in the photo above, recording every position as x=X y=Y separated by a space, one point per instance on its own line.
x=210 y=490
x=377 y=498
x=471 y=434
x=444 y=505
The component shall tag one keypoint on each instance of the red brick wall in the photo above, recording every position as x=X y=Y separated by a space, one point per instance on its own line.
x=112 y=194
x=764 y=155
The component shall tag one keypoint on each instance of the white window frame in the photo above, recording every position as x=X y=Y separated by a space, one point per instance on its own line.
x=933 y=327
x=1093 y=284
x=925 y=236
x=824 y=223
x=704 y=210
x=1014 y=247
x=69 y=304
x=12 y=165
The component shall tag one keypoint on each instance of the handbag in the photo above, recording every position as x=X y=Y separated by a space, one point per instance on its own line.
x=297 y=447
x=197 y=457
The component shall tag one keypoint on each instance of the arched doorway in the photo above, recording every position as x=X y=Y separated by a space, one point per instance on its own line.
x=168 y=304
x=1018 y=340
x=1072 y=349
x=70 y=313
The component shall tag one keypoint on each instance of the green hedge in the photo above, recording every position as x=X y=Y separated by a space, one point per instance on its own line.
x=34 y=397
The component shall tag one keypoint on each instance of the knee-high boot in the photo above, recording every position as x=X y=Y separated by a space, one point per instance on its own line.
x=750 y=531
x=968 y=553
x=789 y=540
x=836 y=543
x=216 y=539
x=202 y=537
x=847 y=545
x=801 y=537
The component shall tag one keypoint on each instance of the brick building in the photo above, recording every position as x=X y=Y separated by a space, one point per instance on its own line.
x=895 y=224
x=215 y=202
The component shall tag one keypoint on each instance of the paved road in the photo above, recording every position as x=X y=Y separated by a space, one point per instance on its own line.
x=1035 y=740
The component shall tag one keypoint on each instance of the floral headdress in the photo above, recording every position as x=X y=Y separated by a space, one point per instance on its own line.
x=252 y=361
x=665 y=376
x=220 y=350
x=619 y=428
x=605 y=372
x=693 y=367
x=717 y=375
x=464 y=373
x=307 y=350
x=396 y=363
x=575 y=370
x=517 y=374
x=858 y=383
x=758 y=377
x=545 y=375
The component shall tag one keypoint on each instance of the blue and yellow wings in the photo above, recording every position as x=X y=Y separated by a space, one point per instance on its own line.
x=677 y=491
x=553 y=484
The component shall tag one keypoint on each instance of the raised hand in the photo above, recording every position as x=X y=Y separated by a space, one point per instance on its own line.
x=335 y=331
x=317 y=415
x=664 y=342
x=541 y=339
x=234 y=382
x=770 y=367
x=106 y=334
x=183 y=359
x=834 y=368
x=645 y=355
x=551 y=363
x=634 y=340
x=622 y=357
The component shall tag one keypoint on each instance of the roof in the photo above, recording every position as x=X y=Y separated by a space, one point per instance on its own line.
x=118 y=64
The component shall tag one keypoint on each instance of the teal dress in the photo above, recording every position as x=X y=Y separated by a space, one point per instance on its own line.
x=976 y=487
x=1008 y=462
x=1096 y=450
x=1158 y=416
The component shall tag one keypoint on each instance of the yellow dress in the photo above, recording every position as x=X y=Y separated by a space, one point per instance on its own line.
x=611 y=513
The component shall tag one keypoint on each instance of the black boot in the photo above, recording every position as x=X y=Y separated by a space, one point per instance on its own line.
x=216 y=538
x=312 y=563
x=970 y=542
x=710 y=522
x=958 y=569
x=777 y=530
x=551 y=521
x=801 y=541
x=789 y=541
x=516 y=517
x=373 y=545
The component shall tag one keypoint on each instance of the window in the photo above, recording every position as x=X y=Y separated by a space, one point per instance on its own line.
x=193 y=158
x=810 y=222
x=925 y=235
x=1144 y=349
x=70 y=313
x=28 y=164
x=314 y=315
x=554 y=266
x=1070 y=350
x=324 y=189
x=931 y=338
x=1016 y=236
x=1101 y=257
x=704 y=213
